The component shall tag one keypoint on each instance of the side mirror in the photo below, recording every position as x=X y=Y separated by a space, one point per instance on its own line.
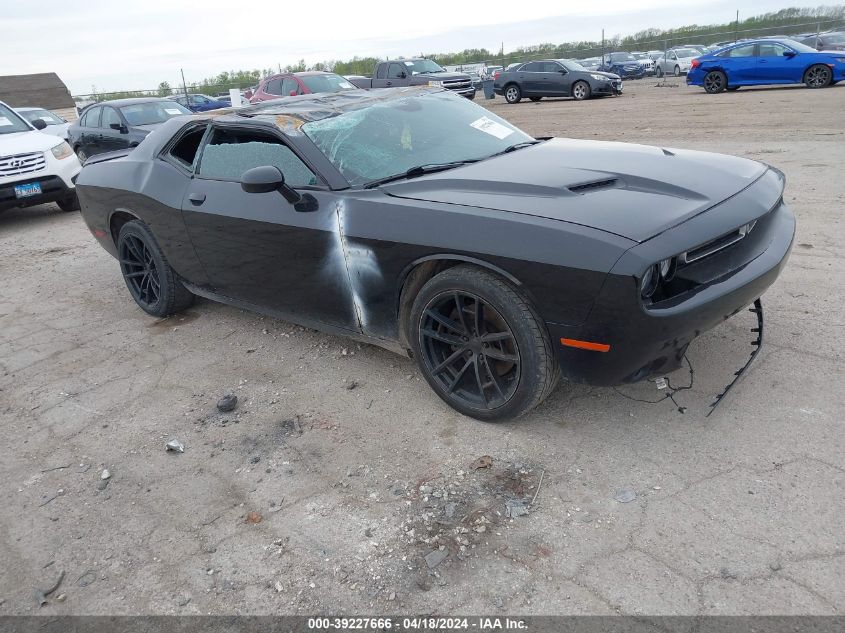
x=789 y=53
x=269 y=178
x=403 y=75
x=562 y=71
x=120 y=127
x=38 y=124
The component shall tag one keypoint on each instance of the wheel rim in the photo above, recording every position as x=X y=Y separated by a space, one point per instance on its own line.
x=139 y=270
x=81 y=156
x=469 y=350
x=580 y=91
x=818 y=76
x=511 y=94
x=713 y=82
x=677 y=71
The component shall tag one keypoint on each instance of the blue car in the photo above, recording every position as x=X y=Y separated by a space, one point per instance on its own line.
x=623 y=64
x=200 y=103
x=764 y=62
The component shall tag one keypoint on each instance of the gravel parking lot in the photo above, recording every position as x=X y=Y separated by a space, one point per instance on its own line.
x=316 y=497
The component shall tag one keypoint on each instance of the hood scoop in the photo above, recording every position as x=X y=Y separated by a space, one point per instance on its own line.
x=592 y=186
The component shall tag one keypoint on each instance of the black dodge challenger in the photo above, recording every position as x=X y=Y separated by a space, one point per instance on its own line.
x=419 y=221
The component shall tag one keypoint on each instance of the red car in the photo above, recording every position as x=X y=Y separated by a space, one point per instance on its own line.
x=292 y=84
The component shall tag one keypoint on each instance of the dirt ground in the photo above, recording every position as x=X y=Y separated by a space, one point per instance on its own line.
x=737 y=513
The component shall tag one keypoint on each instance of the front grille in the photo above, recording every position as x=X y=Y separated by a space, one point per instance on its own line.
x=22 y=164
x=460 y=84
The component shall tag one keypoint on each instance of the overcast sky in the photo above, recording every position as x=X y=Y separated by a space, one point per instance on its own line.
x=133 y=45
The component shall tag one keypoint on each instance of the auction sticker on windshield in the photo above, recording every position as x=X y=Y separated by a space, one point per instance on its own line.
x=4 y=121
x=172 y=111
x=491 y=127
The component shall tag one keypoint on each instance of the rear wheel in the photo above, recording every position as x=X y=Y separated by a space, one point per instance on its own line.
x=481 y=345
x=69 y=204
x=151 y=281
x=658 y=71
x=715 y=81
x=581 y=90
x=513 y=94
x=677 y=71
x=818 y=76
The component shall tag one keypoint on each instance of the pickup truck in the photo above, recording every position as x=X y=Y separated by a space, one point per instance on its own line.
x=416 y=72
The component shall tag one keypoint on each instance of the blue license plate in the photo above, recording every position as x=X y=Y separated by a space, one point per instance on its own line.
x=28 y=190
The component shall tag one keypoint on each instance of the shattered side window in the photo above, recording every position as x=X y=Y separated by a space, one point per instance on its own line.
x=233 y=152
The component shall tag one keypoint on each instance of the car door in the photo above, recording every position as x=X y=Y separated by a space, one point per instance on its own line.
x=90 y=130
x=740 y=63
x=777 y=63
x=558 y=83
x=380 y=76
x=529 y=78
x=397 y=75
x=255 y=247
x=114 y=134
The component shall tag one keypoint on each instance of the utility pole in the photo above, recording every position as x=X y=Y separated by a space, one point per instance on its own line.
x=184 y=85
x=602 y=46
x=736 y=26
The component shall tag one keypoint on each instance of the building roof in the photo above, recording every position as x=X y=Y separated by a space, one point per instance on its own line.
x=43 y=90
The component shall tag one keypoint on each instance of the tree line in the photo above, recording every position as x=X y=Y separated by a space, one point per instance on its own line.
x=784 y=22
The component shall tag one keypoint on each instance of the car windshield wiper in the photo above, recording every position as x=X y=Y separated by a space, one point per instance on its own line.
x=514 y=147
x=420 y=170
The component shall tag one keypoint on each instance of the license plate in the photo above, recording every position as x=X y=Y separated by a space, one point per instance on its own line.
x=28 y=190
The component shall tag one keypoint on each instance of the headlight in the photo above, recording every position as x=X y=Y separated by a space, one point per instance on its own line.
x=649 y=282
x=62 y=150
x=436 y=84
x=599 y=77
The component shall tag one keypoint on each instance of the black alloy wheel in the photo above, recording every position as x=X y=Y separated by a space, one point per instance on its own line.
x=481 y=345
x=151 y=281
x=818 y=76
x=715 y=81
x=470 y=350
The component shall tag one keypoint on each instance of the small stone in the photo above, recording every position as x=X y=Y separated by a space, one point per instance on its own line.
x=498 y=602
x=253 y=517
x=515 y=508
x=392 y=596
x=349 y=385
x=105 y=474
x=278 y=586
x=450 y=509
x=625 y=495
x=227 y=403
x=434 y=558
x=175 y=446
x=102 y=484
x=480 y=529
x=368 y=532
x=61 y=597
x=255 y=460
x=727 y=574
x=775 y=566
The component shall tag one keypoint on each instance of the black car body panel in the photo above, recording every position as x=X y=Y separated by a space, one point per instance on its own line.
x=552 y=78
x=579 y=257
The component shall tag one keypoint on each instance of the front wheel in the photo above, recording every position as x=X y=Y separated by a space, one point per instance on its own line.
x=480 y=344
x=581 y=90
x=818 y=76
x=151 y=281
x=677 y=71
x=513 y=94
x=658 y=72
x=69 y=204
x=715 y=81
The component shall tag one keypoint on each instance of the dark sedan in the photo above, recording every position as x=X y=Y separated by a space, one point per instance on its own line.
x=555 y=78
x=418 y=221
x=201 y=103
x=119 y=124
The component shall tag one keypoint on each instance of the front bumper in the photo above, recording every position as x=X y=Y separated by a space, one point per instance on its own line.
x=469 y=93
x=644 y=340
x=57 y=181
x=608 y=88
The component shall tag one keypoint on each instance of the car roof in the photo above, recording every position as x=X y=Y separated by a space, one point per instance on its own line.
x=131 y=101
x=29 y=109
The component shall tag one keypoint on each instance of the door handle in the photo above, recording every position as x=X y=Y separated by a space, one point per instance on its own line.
x=763 y=61
x=389 y=83
x=196 y=198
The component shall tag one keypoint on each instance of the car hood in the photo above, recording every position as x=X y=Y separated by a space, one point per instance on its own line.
x=604 y=74
x=635 y=191
x=29 y=141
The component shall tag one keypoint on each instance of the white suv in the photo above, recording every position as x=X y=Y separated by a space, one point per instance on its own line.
x=34 y=167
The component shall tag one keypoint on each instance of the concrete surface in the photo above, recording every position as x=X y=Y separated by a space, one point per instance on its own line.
x=738 y=513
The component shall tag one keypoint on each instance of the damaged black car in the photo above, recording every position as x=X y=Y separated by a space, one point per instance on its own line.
x=417 y=220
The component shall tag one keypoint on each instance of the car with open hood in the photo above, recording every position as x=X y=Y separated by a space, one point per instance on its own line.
x=418 y=221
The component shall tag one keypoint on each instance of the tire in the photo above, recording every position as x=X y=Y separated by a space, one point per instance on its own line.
x=818 y=76
x=502 y=378
x=535 y=99
x=81 y=155
x=69 y=204
x=151 y=281
x=658 y=71
x=677 y=71
x=581 y=90
x=513 y=94
x=715 y=82
x=472 y=96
